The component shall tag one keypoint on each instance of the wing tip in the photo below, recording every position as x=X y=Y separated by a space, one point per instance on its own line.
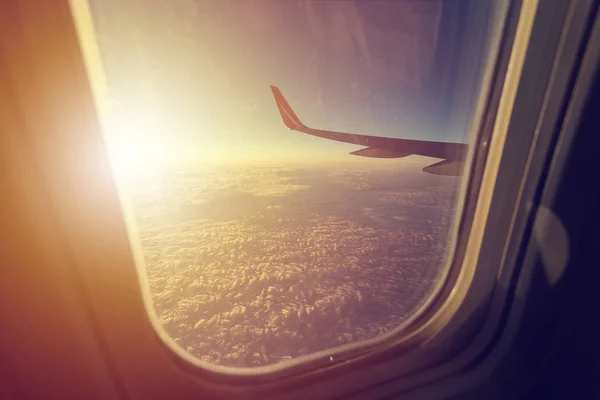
x=289 y=117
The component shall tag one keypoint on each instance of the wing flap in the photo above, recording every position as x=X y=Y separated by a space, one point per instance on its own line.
x=375 y=152
x=446 y=168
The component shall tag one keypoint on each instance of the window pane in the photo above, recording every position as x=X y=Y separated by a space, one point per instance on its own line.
x=263 y=244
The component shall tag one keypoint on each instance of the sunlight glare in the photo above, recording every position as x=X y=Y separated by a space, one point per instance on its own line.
x=134 y=144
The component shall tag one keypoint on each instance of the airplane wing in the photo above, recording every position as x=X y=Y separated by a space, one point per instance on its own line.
x=453 y=154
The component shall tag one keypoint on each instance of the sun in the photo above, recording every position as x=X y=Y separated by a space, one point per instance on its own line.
x=134 y=144
x=135 y=157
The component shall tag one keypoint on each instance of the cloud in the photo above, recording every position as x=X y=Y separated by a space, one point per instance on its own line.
x=289 y=275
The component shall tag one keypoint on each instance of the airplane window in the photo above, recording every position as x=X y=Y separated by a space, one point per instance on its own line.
x=294 y=167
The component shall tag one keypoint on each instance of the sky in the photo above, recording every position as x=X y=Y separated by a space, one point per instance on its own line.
x=189 y=79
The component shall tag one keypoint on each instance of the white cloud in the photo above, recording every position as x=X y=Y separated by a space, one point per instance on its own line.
x=294 y=273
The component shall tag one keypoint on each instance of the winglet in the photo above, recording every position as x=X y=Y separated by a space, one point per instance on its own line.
x=289 y=117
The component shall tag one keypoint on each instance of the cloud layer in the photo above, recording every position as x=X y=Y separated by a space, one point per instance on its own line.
x=251 y=266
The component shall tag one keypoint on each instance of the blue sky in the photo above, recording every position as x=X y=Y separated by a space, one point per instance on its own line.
x=198 y=73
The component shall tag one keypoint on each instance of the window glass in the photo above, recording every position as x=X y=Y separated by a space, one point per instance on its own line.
x=263 y=244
